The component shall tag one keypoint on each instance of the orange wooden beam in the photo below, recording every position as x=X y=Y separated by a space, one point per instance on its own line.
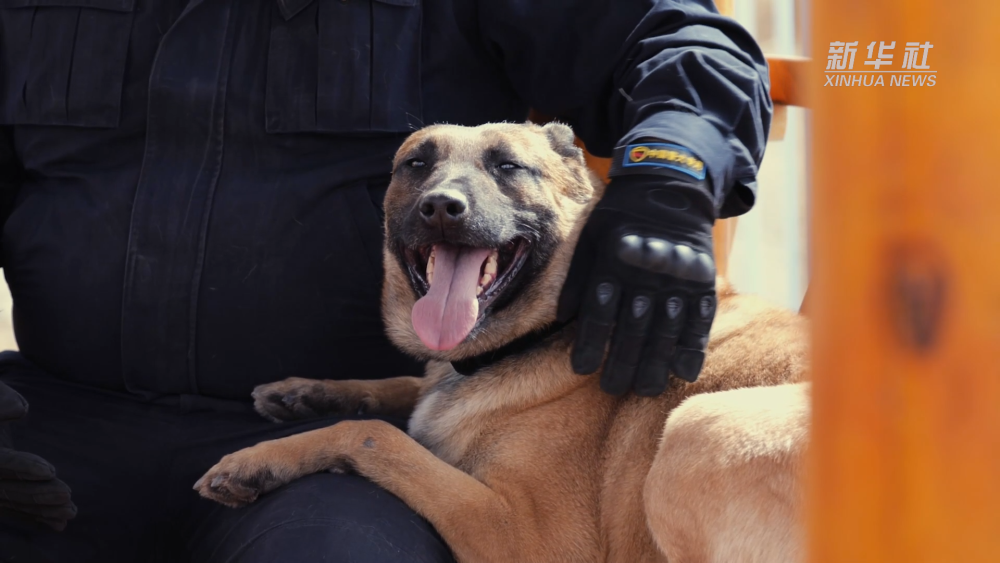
x=789 y=77
x=905 y=294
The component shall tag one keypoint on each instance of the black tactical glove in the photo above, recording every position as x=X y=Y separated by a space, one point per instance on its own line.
x=643 y=274
x=29 y=489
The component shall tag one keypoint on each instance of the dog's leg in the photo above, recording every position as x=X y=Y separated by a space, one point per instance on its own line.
x=475 y=521
x=725 y=484
x=297 y=398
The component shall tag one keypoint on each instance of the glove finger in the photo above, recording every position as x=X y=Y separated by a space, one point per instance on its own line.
x=52 y=493
x=634 y=321
x=54 y=523
x=654 y=371
x=577 y=279
x=58 y=512
x=690 y=355
x=12 y=404
x=597 y=317
x=24 y=466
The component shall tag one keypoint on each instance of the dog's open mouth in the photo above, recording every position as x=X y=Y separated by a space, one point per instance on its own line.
x=456 y=286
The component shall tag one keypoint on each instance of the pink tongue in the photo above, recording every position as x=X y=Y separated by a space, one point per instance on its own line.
x=446 y=315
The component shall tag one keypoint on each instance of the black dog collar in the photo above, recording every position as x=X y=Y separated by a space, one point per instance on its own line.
x=469 y=366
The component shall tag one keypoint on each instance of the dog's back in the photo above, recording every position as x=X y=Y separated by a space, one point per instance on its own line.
x=536 y=431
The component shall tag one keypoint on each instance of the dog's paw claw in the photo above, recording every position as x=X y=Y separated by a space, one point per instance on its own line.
x=227 y=490
x=287 y=400
x=297 y=398
x=237 y=480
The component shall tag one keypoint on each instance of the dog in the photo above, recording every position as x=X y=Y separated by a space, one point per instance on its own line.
x=523 y=460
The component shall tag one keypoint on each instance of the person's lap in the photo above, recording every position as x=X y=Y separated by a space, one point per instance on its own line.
x=319 y=518
x=131 y=466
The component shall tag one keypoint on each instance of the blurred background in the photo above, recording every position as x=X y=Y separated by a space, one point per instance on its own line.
x=769 y=251
x=7 y=341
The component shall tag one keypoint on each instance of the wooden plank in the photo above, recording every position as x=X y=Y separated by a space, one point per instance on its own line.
x=905 y=294
x=600 y=166
x=788 y=77
x=725 y=7
x=779 y=123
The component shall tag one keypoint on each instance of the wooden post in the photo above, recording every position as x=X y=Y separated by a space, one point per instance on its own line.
x=725 y=7
x=905 y=294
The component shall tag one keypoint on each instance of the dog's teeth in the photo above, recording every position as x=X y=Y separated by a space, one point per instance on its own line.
x=485 y=281
x=491 y=264
x=430 y=268
x=479 y=290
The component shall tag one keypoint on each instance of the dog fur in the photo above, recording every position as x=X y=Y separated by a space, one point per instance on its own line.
x=526 y=461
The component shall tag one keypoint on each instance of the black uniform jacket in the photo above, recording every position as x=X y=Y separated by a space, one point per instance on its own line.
x=192 y=188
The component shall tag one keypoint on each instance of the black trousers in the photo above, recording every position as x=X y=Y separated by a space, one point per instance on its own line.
x=131 y=465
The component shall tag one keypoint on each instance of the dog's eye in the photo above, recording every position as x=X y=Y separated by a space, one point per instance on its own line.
x=415 y=163
x=509 y=166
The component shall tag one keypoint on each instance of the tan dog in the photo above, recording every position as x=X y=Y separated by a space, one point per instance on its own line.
x=524 y=460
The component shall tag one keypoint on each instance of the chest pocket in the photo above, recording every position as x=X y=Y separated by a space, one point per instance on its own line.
x=62 y=62
x=344 y=66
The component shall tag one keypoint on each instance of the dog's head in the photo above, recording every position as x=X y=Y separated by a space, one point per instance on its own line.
x=481 y=223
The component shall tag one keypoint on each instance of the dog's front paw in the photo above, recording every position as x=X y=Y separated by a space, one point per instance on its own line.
x=296 y=398
x=238 y=479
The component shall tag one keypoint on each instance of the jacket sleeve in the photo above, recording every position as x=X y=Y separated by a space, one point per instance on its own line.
x=11 y=174
x=622 y=70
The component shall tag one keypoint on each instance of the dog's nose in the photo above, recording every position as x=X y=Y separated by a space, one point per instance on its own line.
x=445 y=208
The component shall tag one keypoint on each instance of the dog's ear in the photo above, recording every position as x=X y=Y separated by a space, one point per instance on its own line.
x=561 y=139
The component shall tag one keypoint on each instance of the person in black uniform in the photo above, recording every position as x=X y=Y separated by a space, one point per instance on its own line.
x=191 y=193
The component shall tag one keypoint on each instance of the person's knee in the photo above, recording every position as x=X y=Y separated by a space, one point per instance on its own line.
x=333 y=519
x=335 y=541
